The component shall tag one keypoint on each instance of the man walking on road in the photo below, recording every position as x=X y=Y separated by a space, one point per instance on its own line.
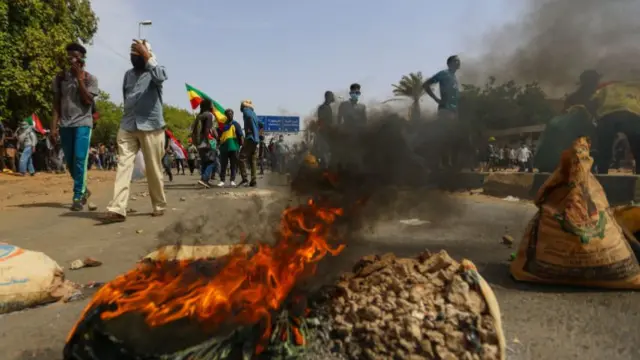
x=74 y=91
x=141 y=128
x=249 y=152
x=448 y=107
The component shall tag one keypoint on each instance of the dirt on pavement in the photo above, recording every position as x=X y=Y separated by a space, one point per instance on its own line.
x=540 y=322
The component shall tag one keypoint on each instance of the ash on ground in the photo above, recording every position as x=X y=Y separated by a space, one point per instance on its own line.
x=430 y=307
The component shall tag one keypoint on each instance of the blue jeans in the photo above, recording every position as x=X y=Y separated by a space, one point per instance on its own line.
x=75 y=144
x=208 y=164
x=26 y=161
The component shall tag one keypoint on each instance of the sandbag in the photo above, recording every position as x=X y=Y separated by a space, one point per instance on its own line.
x=29 y=278
x=574 y=238
x=559 y=134
x=139 y=170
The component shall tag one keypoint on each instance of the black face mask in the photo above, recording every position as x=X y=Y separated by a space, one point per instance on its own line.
x=138 y=62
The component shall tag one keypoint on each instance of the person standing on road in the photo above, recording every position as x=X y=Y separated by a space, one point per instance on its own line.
x=231 y=139
x=141 y=128
x=203 y=129
x=27 y=141
x=524 y=154
x=325 y=121
x=249 y=151
x=193 y=155
x=448 y=108
x=74 y=91
x=352 y=114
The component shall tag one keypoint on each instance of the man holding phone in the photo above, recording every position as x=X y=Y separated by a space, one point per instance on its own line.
x=74 y=91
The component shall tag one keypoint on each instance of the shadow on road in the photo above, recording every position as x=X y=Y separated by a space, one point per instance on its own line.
x=51 y=205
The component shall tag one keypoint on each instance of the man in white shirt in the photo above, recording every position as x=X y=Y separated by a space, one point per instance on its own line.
x=523 y=158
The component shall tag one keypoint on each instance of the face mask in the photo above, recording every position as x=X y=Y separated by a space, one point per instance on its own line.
x=354 y=96
x=137 y=62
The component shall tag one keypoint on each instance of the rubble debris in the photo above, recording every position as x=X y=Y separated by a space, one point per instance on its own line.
x=429 y=307
x=83 y=263
x=507 y=240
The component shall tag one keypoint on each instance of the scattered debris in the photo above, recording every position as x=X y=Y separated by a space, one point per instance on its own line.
x=507 y=240
x=511 y=199
x=131 y=211
x=87 y=262
x=183 y=199
x=476 y=191
x=431 y=307
x=139 y=231
x=133 y=198
x=92 y=207
x=414 y=222
x=512 y=256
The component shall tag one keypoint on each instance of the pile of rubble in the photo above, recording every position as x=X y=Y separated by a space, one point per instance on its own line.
x=430 y=307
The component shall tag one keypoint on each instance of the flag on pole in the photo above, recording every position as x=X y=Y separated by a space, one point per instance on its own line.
x=174 y=143
x=195 y=98
x=35 y=122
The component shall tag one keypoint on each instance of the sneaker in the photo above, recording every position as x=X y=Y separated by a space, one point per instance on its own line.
x=86 y=196
x=233 y=184
x=253 y=183
x=244 y=182
x=205 y=184
x=77 y=205
x=221 y=184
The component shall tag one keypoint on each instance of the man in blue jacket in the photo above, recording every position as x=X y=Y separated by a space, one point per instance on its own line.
x=249 y=151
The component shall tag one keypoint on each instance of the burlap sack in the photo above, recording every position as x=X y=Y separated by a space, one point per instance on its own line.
x=574 y=238
x=29 y=278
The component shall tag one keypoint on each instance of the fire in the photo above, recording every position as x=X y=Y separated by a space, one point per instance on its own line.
x=246 y=289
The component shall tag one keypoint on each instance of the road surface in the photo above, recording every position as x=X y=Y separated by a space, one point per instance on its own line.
x=540 y=322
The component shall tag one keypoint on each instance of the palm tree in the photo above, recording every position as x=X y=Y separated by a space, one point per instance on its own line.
x=410 y=86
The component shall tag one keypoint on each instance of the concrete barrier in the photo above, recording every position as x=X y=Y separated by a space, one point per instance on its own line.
x=620 y=189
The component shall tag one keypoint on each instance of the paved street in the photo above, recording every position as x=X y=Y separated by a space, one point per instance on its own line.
x=540 y=322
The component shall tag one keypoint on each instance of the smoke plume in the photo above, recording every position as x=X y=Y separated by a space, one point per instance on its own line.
x=555 y=40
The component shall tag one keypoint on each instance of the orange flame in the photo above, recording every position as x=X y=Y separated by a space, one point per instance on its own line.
x=244 y=292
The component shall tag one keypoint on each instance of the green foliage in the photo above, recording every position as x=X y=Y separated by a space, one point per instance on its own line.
x=109 y=123
x=179 y=121
x=410 y=86
x=502 y=106
x=33 y=35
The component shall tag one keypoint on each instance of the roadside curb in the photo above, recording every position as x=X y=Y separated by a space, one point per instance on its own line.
x=620 y=189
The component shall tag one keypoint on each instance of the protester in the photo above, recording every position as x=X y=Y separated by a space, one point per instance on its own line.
x=74 y=90
x=352 y=114
x=180 y=157
x=249 y=151
x=325 y=121
x=193 y=156
x=203 y=133
x=167 y=158
x=231 y=139
x=10 y=148
x=281 y=150
x=27 y=141
x=524 y=156
x=141 y=128
x=448 y=108
x=262 y=154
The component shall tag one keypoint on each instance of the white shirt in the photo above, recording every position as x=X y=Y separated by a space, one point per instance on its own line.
x=523 y=154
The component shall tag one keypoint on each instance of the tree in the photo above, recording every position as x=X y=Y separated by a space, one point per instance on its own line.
x=110 y=115
x=179 y=121
x=502 y=106
x=410 y=86
x=33 y=36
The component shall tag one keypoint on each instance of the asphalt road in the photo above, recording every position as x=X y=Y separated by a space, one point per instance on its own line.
x=540 y=322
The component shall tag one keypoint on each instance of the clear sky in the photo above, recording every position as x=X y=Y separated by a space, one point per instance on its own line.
x=283 y=54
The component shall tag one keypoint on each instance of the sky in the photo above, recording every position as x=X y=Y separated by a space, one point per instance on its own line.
x=284 y=54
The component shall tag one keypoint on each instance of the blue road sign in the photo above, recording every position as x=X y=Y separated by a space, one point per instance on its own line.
x=289 y=124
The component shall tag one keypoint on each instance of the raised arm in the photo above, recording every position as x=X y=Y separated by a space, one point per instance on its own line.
x=158 y=72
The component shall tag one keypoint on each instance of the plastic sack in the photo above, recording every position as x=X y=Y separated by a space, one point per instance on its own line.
x=29 y=278
x=139 y=171
x=574 y=239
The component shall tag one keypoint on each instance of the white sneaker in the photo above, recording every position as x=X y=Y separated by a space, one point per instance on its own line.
x=233 y=184
x=221 y=184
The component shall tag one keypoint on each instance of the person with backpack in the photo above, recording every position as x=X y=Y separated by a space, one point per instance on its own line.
x=74 y=91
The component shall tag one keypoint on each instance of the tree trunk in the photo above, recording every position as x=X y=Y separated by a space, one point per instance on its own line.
x=414 y=111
